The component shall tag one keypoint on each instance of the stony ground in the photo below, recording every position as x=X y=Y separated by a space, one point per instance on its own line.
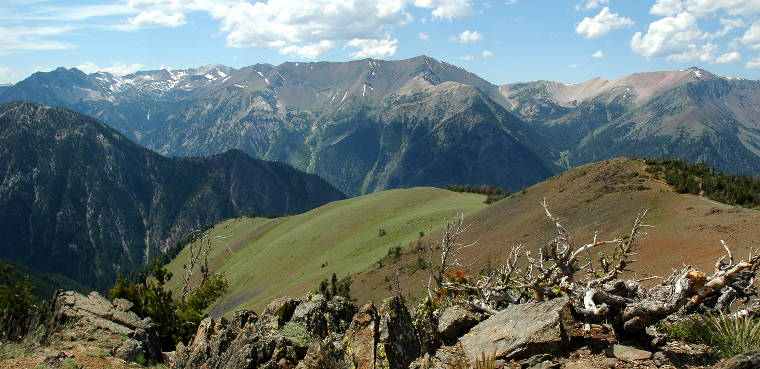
x=73 y=347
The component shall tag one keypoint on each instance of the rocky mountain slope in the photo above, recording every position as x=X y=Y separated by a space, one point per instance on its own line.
x=79 y=199
x=364 y=125
x=690 y=114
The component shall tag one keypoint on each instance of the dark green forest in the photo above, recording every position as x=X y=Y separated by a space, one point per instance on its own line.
x=700 y=179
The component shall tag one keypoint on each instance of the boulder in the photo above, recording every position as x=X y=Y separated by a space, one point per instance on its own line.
x=311 y=313
x=324 y=355
x=627 y=353
x=397 y=344
x=282 y=308
x=521 y=331
x=747 y=360
x=130 y=350
x=69 y=309
x=360 y=338
x=455 y=321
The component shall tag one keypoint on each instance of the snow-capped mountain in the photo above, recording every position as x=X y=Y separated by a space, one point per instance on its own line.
x=369 y=124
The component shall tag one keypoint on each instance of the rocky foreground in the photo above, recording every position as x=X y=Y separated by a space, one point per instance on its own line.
x=75 y=331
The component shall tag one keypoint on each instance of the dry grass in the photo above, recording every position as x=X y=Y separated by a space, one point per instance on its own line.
x=603 y=197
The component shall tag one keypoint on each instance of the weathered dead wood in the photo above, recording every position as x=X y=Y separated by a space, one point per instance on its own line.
x=595 y=293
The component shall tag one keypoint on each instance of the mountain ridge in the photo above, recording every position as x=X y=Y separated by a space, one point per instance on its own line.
x=82 y=200
x=314 y=115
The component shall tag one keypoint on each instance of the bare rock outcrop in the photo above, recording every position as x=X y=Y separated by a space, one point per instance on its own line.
x=69 y=310
x=290 y=332
x=521 y=331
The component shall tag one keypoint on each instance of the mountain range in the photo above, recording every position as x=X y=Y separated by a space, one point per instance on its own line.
x=74 y=190
x=690 y=114
x=79 y=199
x=364 y=125
x=369 y=125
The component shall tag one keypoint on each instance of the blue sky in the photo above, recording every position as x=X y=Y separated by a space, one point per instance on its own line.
x=501 y=40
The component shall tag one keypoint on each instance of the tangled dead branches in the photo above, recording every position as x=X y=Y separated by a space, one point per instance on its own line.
x=596 y=289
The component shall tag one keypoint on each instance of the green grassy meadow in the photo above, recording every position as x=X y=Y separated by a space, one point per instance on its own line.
x=266 y=258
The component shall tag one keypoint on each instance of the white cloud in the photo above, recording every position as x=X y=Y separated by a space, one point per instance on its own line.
x=308 y=28
x=68 y=13
x=423 y=36
x=591 y=4
x=753 y=63
x=508 y=2
x=309 y=51
x=729 y=57
x=486 y=53
x=447 y=9
x=157 y=18
x=666 y=7
x=15 y=39
x=703 y=8
x=370 y=48
x=602 y=24
x=728 y=26
x=674 y=38
x=467 y=57
x=751 y=38
x=466 y=37
x=118 y=69
x=573 y=65
x=598 y=54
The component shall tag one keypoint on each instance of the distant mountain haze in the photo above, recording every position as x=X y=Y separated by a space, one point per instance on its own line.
x=79 y=199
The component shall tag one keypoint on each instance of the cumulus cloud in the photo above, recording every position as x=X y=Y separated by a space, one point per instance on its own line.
x=703 y=8
x=467 y=57
x=729 y=57
x=486 y=53
x=118 y=69
x=591 y=4
x=308 y=28
x=602 y=24
x=423 y=36
x=466 y=37
x=598 y=54
x=446 y=9
x=370 y=48
x=309 y=51
x=666 y=7
x=751 y=38
x=156 y=18
x=674 y=38
x=677 y=36
x=573 y=65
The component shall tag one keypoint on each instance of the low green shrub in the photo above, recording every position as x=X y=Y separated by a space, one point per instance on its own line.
x=726 y=335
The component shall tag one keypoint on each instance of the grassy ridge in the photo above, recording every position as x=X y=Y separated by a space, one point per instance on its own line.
x=265 y=258
x=603 y=197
